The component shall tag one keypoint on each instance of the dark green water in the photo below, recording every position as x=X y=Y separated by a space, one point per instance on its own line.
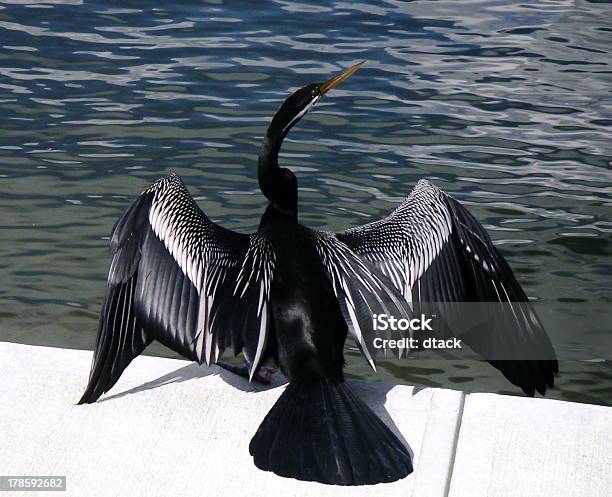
x=507 y=105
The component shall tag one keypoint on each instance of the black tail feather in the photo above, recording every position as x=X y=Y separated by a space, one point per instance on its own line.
x=320 y=431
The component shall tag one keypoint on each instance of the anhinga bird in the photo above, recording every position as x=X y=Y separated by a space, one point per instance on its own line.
x=291 y=294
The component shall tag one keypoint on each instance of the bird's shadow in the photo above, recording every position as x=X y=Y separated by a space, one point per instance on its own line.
x=373 y=393
x=194 y=371
x=375 y=396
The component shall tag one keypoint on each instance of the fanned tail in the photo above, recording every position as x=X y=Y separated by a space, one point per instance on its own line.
x=320 y=431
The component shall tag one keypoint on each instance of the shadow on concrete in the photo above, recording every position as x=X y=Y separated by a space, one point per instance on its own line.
x=374 y=394
x=193 y=371
x=418 y=388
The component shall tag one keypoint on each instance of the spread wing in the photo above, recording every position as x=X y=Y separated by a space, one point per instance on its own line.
x=433 y=250
x=179 y=278
x=362 y=293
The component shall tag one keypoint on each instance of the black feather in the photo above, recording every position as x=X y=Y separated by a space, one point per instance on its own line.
x=433 y=247
x=319 y=430
x=161 y=245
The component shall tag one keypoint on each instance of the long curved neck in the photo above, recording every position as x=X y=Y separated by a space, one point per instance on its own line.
x=268 y=170
x=278 y=185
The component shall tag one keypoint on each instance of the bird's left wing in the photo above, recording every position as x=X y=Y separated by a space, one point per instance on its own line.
x=179 y=278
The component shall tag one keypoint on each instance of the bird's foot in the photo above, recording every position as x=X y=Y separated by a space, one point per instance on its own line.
x=263 y=375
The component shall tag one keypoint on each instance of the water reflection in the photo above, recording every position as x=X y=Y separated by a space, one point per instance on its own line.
x=505 y=104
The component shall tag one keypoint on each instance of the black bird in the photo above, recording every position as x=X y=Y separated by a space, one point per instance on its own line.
x=291 y=294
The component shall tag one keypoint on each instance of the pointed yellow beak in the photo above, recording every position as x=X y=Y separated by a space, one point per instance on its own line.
x=336 y=80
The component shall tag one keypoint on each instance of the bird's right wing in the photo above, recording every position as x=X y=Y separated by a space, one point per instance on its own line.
x=179 y=278
x=434 y=251
x=362 y=293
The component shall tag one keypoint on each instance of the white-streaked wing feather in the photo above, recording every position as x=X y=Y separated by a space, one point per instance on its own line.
x=360 y=291
x=433 y=250
x=189 y=266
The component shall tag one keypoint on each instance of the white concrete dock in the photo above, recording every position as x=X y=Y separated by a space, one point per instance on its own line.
x=172 y=428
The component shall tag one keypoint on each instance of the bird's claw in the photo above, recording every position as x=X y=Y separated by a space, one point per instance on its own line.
x=263 y=375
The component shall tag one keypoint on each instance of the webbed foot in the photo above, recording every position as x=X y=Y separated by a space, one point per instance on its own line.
x=263 y=375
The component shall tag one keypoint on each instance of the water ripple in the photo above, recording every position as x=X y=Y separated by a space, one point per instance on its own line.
x=506 y=104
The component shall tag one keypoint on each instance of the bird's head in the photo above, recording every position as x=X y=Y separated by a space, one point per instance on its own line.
x=279 y=185
x=301 y=101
